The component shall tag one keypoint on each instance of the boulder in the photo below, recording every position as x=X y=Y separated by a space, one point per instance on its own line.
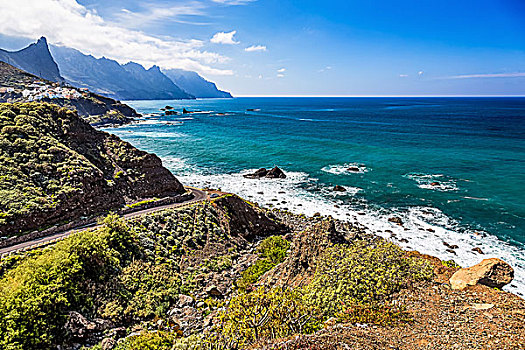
x=478 y=250
x=170 y=112
x=396 y=220
x=213 y=291
x=494 y=273
x=338 y=188
x=276 y=173
x=108 y=343
x=435 y=183
x=353 y=169
x=185 y=300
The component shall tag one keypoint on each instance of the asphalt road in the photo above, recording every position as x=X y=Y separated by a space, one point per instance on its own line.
x=198 y=196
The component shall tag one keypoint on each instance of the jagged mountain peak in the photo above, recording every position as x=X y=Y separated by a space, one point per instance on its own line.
x=42 y=41
x=35 y=59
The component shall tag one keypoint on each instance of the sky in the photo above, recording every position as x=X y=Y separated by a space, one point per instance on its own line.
x=296 y=48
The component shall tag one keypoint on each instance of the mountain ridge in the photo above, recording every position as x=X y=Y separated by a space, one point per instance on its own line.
x=194 y=84
x=35 y=59
x=107 y=77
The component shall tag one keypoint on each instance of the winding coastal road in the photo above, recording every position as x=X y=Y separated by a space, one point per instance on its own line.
x=198 y=196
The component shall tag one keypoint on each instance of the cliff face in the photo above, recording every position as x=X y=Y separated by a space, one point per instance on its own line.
x=55 y=167
x=35 y=59
x=194 y=84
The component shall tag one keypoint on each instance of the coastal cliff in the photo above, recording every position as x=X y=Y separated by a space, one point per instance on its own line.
x=55 y=167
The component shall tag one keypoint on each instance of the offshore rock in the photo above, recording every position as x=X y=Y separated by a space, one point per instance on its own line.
x=274 y=173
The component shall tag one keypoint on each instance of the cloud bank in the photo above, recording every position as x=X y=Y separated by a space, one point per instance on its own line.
x=68 y=23
x=498 y=75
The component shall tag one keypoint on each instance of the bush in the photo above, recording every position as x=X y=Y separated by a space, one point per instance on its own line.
x=271 y=251
x=36 y=295
x=362 y=275
x=148 y=341
x=265 y=314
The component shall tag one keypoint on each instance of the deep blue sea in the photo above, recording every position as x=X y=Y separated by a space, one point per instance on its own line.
x=472 y=149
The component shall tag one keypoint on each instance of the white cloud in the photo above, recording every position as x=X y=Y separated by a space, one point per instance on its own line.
x=233 y=2
x=280 y=75
x=68 y=23
x=184 y=13
x=255 y=48
x=224 y=38
x=420 y=73
x=282 y=70
x=490 y=75
x=260 y=76
x=403 y=75
x=327 y=68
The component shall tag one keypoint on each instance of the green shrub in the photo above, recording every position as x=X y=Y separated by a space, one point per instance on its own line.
x=362 y=274
x=36 y=295
x=265 y=314
x=147 y=290
x=271 y=251
x=450 y=263
x=148 y=341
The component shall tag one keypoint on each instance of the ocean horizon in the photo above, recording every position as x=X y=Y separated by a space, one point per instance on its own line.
x=450 y=167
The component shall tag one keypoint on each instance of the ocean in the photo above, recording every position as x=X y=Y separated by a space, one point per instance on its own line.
x=453 y=169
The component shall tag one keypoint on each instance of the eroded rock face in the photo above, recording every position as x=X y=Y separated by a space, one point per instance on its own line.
x=494 y=273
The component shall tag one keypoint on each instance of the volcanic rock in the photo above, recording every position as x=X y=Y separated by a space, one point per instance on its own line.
x=274 y=173
x=478 y=250
x=494 y=273
x=213 y=291
x=396 y=220
x=338 y=188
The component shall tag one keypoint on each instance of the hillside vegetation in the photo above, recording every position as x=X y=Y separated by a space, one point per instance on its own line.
x=55 y=167
x=120 y=275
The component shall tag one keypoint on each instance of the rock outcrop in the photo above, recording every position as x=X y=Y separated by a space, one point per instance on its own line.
x=494 y=273
x=274 y=173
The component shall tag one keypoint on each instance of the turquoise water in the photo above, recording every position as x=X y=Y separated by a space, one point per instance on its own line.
x=474 y=148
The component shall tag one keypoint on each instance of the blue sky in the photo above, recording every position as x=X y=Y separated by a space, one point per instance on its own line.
x=271 y=47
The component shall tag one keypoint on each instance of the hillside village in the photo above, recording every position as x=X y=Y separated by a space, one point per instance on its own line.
x=39 y=90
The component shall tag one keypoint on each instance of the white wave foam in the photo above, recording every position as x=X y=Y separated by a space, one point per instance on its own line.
x=159 y=135
x=438 y=182
x=424 y=229
x=345 y=169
